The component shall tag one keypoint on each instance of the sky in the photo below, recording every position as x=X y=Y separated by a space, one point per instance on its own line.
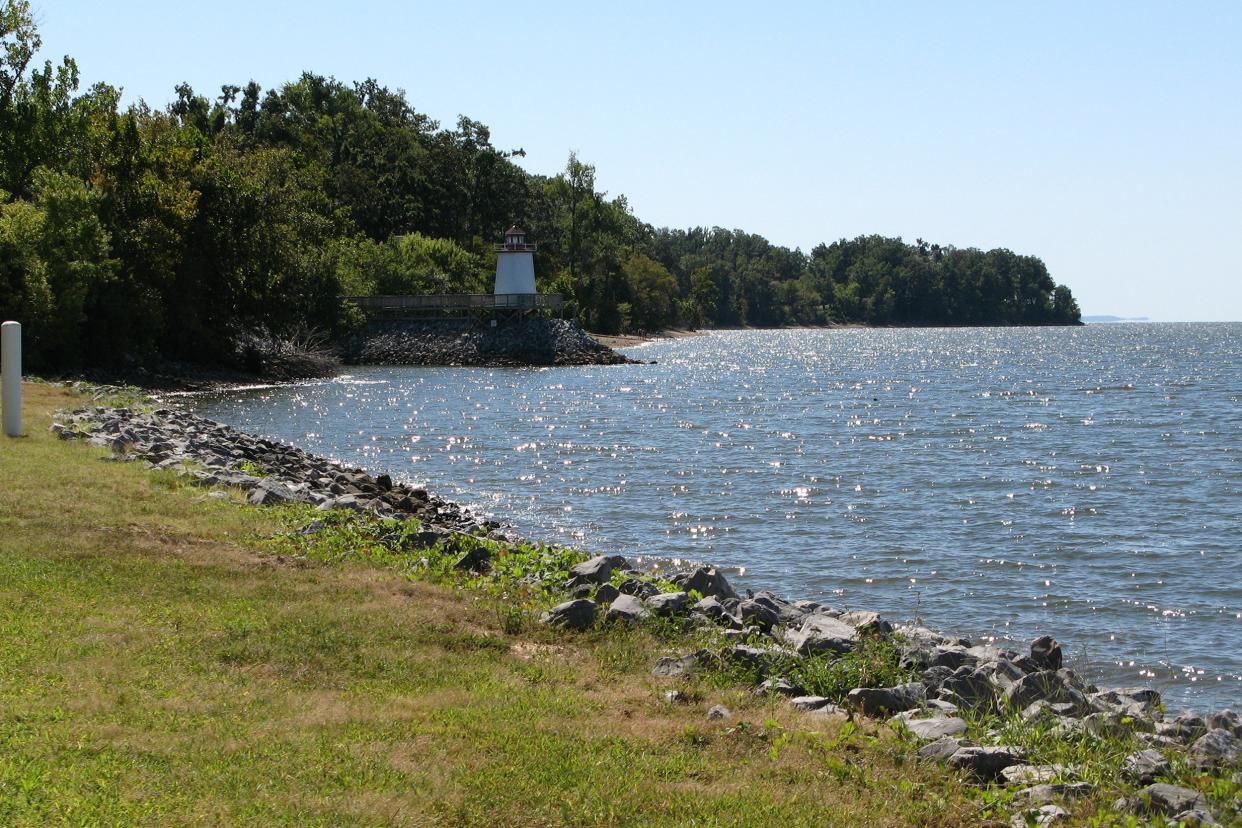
x=1105 y=138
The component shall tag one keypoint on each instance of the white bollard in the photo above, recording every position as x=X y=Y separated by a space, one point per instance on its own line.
x=11 y=377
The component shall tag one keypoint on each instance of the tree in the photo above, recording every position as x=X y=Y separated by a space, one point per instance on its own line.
x=653 y=293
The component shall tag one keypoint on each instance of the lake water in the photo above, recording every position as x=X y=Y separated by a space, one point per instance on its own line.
x=1082 y=482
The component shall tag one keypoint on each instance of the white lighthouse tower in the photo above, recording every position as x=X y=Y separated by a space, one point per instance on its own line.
x=515 y=264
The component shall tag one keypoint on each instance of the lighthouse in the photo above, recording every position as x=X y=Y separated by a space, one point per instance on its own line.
x=515 y=264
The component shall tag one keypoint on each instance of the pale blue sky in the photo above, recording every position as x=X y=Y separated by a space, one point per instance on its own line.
x=1104 y=137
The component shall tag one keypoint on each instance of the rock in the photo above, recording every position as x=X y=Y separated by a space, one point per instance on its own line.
x=970 y=689
x=985 y=763
x=574 y=615
x=1032 y=774
x=777 y=686
x=626 y=608
x=1043 y=815
x=758 y=613
x=1046 y=653
x=809 y=703
x=1104 y=725
x=597 y=570
x=866 y=622
x=1225 y=720
x=1215 y=748
x=1185 y=728
x=1144 y=766
x=676 y=666
x=718 y=711
x=1194 y=817
x=751 y=658
x=269 y=493
x=1133 y=701
x=706 y=581
x=821 y=634
x=675 y=697
x=1162 y=798
x=1047 y=685
x=606 y=594
x=876 y=701
x=668 y=603
x=1048 y=793
x=711 y=608
x=479 y=559
x=943 y=748
x=950 y=657
x=929 y=730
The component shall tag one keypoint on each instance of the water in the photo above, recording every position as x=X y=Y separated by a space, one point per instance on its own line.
x=1000 y=483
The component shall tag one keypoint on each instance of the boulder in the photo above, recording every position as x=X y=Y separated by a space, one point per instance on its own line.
x=574 y=615
x=809 y=703
x=719 y=711
x=707 y=581
x=1215 y=748
x=1170 y=800
x=676 y=666
x=1046 y=653
x=1142 y=767
x=758 y=613
x=985 y=763
x=1041 y=816
x=943 y=748
x=779 y=686
x=597 y=570
x=877 y=701
x=1047 y=685
x=668 y=603
x=1051 y=792
x=606 y=593
x=1225 y=720
x=866 y=622
x=969 y=689
x=1032 y=774
x=626 y=608
x=929 y=730
x=821 y=634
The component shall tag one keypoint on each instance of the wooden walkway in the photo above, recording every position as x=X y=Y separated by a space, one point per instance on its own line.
x=458 y=305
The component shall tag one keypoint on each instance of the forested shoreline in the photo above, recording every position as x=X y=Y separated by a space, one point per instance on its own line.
x=134 y=234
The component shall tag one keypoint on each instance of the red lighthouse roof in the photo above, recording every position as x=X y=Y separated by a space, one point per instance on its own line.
x=515 y=231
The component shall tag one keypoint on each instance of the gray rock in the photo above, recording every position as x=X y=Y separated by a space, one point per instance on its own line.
x=779 y=686
x=1103 y=725
x=606 y=594
x=1225 y=720
x=985 y=763
x=950 y=656
x=758 y=613
x=1046 y=653
x=929 y=730
x=599 y=569
x=1052 y=792
x=1215 y=748
x=711 y=608
x=808 y=703
x=676 y=666
x=942 y=749
x=866 y=622
x=821 y=634
x=749 y=657
x=626 y=608
x=970 y=689
x=877 y=701
x=1142 y=767
x=1194 y=817
x=1162 y=798
x=574 y=615
x=1032 y=774
x=1041 y=816
x=706 y=581
x=1047 y=685
x=1185 y=728
x=668 y=603
x=718 y=711
x=1132 y=701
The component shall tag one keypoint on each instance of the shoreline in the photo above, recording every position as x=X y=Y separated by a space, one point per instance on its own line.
x=948 y=687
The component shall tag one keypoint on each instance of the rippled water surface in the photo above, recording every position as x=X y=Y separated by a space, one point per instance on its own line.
x=996 y=482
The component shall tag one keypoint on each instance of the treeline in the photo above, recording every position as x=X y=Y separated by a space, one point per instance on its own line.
x=131 y=233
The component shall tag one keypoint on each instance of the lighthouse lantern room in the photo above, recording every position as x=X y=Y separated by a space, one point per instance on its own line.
x=515 y=264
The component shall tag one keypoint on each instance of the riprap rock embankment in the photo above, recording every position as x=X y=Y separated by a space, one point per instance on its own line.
x=512 y=343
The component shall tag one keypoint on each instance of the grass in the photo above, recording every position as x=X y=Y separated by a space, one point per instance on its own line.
x=168 y=658
x=163 y=661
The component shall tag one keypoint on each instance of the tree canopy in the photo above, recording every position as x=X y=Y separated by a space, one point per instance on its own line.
x=135 y=232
